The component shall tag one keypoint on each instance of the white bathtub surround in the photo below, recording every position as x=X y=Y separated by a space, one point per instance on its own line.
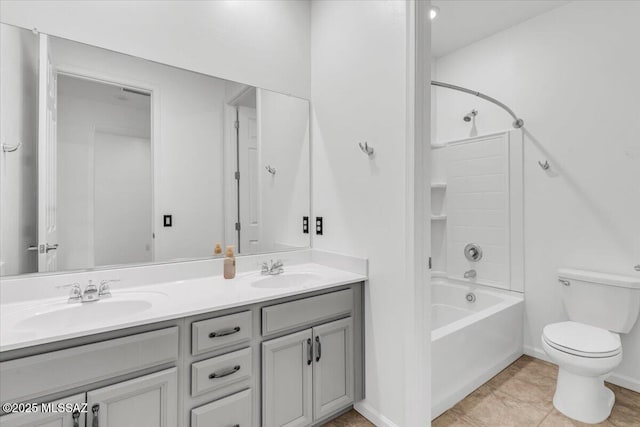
x=581 y=115
x=587 y=348
x=479 y=188
x=471 y=341
x=164 y=292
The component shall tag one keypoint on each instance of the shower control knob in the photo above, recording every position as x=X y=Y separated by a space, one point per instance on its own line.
x=473 y=252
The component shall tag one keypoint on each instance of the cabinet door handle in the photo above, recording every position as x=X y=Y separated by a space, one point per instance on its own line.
x=309 y=352
x=224 y=332
x=95 y=409
x=225 y=372
x=76 y=416
x=318 y=349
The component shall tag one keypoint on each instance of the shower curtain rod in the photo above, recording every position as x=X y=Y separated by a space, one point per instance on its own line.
x=517 y=123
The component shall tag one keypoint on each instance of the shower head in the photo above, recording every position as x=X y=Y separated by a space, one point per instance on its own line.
x=470 y=116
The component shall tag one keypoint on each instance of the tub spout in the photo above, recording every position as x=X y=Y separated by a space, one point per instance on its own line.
x=470 y=274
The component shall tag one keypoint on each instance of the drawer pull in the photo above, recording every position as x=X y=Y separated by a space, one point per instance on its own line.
x=318 y=349
x=94 y=409
x=75 y=415
x=225 y=372
x=224 y=332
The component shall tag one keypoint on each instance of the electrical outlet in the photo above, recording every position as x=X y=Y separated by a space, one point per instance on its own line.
x=305 y=224
x=319 y=225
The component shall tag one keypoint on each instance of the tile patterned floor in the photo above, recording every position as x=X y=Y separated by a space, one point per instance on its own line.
x=350 y=419
x=519 y=396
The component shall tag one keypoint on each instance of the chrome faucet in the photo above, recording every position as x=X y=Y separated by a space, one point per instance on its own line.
x=470 y=274
x=272 y=268
x=90 y=293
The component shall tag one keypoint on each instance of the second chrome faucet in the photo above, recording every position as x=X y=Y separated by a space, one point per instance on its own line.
x=90 y=293
x=272 y=268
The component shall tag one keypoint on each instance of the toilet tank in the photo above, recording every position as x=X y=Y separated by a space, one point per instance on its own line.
x=608 y=301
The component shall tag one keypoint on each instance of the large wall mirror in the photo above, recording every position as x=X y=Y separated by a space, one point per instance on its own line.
x=109 y=159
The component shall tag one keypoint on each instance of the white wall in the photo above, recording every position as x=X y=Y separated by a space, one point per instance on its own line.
x=123 y=201
x=359 y=87
x=18 y=175
x=80 y=117
x=188 y=149
x=265 y=44
x=572 y=74
x=283 y=143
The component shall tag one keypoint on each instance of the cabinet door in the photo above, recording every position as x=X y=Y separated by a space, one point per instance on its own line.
x=70 y=416
x=333 y=375
x=147 y=401
x=286 y=381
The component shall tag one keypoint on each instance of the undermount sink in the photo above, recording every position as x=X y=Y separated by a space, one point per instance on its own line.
x=67 y=315
x=286 y=280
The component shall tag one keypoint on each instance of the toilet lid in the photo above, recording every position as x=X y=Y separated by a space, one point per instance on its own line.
x=582 y=340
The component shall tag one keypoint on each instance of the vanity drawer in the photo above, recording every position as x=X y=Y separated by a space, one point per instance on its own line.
x=56 y=371
x=300 y=313
x=221 y=371
x=234 y=410
x=211 y=334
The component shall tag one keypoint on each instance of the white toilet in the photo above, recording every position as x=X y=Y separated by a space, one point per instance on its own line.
x=587 y=348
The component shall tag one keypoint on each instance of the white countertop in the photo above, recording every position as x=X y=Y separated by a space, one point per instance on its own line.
x=169 y=300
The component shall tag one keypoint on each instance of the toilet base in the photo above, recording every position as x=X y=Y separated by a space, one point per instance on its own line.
x=584 y=399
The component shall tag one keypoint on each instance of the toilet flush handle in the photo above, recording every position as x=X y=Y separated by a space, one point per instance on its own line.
x=564 y=282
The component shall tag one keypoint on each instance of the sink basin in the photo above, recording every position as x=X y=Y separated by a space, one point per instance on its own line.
x=286 y=280
x=65 y=315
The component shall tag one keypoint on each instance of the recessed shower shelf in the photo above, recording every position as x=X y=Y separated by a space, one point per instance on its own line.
x=438 y=217
x=438 y=185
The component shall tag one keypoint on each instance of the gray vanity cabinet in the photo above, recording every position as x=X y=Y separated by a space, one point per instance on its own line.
x=293 y=361
x=333 y=374
x=49 y=419
x=147 y=401
x=308 y=375
x=287 y=369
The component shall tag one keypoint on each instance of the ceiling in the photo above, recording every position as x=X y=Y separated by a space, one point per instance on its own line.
x=101 y=92
x=462 y=22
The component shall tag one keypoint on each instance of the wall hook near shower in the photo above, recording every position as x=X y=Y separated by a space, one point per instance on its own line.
x=366 y=149
x=10 y=148
x=545 y=166
x=271 y=170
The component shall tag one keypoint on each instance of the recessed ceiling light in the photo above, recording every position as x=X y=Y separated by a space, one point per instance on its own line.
x=433 y=13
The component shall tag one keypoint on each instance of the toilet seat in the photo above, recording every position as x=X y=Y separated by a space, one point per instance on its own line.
x=582 y=340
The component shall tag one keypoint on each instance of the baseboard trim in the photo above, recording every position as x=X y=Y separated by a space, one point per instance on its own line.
x=617 y=379
x=367 y=411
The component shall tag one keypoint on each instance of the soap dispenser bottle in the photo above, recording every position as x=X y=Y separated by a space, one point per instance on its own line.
x=218 y=249
x=229 y=264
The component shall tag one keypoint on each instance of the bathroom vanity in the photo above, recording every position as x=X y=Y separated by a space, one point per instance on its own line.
x=288 y=356
x=201 y=162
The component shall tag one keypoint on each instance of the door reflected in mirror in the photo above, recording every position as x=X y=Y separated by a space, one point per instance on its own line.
x=126 y=161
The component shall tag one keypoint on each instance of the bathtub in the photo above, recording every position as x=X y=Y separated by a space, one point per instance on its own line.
x=470 y=341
